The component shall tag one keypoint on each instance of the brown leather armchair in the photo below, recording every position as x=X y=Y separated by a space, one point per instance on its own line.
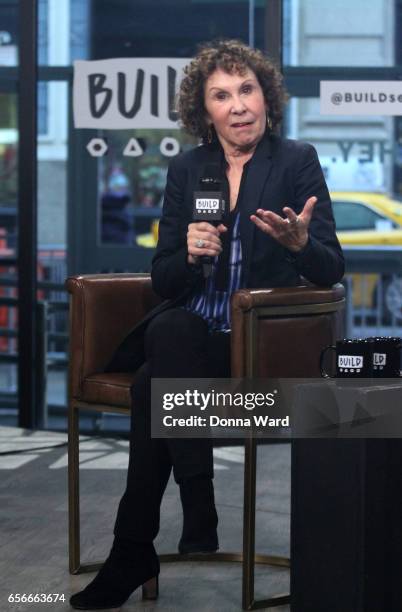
x=275 y=333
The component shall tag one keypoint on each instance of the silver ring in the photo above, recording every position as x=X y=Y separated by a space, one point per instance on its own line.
x=200 y=243
x=293 y=222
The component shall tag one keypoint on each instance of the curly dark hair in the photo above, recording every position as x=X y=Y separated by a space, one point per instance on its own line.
x=232 y=56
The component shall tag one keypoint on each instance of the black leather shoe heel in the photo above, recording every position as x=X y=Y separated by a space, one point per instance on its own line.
x=101 y=601
x=150 y=590
x=128 y=567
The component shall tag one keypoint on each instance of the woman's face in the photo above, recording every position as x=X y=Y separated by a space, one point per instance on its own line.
x=235 y=105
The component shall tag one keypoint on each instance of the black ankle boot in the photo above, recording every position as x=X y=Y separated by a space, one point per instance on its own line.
x=128 y=566
x=200 y=519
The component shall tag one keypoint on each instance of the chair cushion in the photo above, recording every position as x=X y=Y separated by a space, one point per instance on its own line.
x=109 y=389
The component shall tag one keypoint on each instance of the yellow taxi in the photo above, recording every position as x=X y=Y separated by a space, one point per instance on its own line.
x=361 y=219
x=367 y=218
x=371 y=219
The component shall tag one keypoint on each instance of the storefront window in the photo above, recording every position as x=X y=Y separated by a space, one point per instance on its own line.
x=339 y=33
x=8 y=154
x=8 y=249
x=8 y=33
x=81 y=29
x=130 y=189
x=356 y=152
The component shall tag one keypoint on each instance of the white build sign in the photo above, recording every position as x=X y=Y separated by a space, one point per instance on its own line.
x=126 y=93
x=361 y=98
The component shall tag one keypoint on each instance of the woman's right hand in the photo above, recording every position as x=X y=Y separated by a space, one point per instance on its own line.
x=207 y=236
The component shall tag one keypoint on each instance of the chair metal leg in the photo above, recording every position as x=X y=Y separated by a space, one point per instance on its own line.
x=249 y=556
x=250 y=475
x=73 y=490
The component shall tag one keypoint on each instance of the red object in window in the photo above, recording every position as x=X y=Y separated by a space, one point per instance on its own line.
x=8 y=315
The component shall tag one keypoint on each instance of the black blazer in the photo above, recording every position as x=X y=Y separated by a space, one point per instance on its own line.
x=281 y=173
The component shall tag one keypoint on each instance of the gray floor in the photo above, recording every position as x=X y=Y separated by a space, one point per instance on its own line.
x=33 y=523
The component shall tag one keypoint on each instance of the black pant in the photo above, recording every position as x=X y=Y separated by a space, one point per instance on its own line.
x=177 y=345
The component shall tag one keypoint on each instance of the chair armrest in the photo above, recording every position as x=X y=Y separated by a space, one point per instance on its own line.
x=245 y=299
x=285 y=307
x=103 y=309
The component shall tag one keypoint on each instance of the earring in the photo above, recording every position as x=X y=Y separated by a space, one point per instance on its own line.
x=269 y=122
x=210 y=135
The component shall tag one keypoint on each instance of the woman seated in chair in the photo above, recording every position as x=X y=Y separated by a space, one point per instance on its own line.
x=278 y=228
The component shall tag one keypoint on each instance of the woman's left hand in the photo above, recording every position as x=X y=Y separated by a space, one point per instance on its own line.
x=291 y=232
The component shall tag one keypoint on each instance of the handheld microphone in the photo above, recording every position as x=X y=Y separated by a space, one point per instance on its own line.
x=209 y=204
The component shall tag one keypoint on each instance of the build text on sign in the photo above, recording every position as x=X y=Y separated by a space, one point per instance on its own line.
x=126 y=93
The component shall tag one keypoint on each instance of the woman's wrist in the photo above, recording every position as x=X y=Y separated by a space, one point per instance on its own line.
x=300 y=246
